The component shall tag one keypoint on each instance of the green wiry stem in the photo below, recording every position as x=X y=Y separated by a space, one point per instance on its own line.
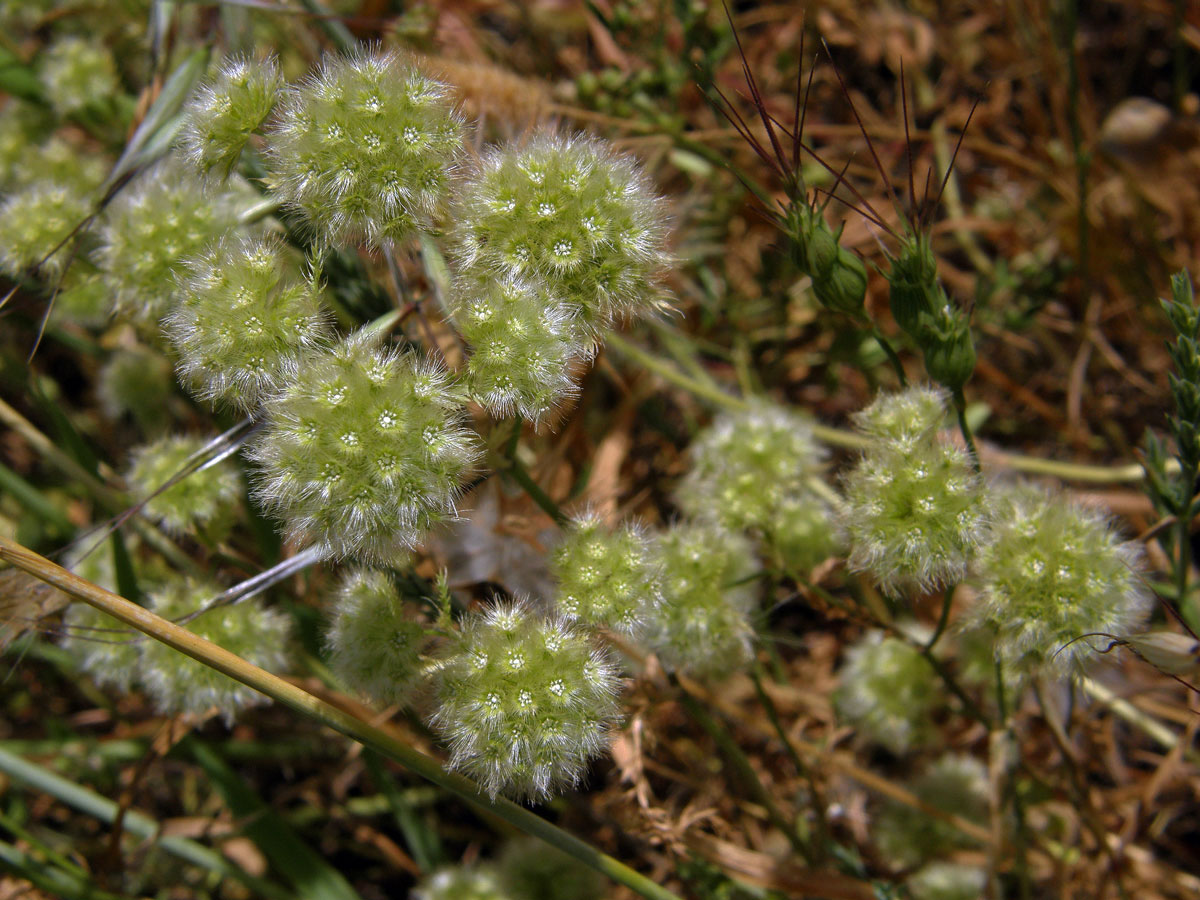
x=313 y=707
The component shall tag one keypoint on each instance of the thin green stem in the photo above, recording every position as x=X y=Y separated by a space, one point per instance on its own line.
x=1022 y=840
x=824 y=839
x=737 y=758
x=943 y=619
x=891 y=354
x=313 y=707
x=960 y=407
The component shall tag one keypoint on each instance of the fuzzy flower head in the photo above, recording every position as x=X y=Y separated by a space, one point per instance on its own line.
x=1052 y=572
x=908 y=416
x=375 y=639
x=914 y=511
x=225 y=111
x=35 y=224
x=566 y=209
x=243 y=321
x=152 y=226
x=363 y=149
x=106 y=648
x=77 y=74
x=523 y=343
x=953 y=784
x=205 y=499
x=607 y=577
x=364 y=452
x=180 y=684
x=948 y=881
x=888 y=692
x=136 y=381
x=62 y=162
x=702 y=626
x=524 y=701
x=747 y=465
x=479 y=882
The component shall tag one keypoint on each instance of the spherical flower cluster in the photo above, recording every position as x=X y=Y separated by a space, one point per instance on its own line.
x=35 y=223
x=364 y=452
x=905 y=417
x=948 y=881
x=62 y=162
x=750 y=472
x=914 y=509
x=242 y=321
x=525 y=701
x=205 y=498
x=106 y=649
x=533 y=870
x=138 y=382
x=375 y=639
x=225 y=111
x=568 y=211
x=364 y=148
x=522 y=340
x=702 y=626
x=1054 y=571
x=152 y=226
x=22 y=126
x=953 y=784
x=462 y=883
x=77 y=74
x=607 y=578
x=888 y=692
x=180 y=684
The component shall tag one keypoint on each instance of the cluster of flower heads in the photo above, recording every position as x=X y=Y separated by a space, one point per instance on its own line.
x=364 y=451
x=914 y=505
x=524 y=700
x=114 y=654
x=753 y=471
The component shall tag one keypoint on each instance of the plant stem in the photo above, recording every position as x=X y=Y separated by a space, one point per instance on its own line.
x=737 y=758
x=818 y=799
x=308 y=705
x=891 y=354
x=943 y=619
x=960 y=407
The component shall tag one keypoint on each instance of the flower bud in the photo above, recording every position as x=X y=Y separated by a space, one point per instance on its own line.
x=225 y=111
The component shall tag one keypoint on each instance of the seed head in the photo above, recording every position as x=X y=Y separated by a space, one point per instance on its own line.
x=36 y=219
x=525 y=701
x=914 y=509
x=364 y=148
x=364 y=452
x=567 y=210
x=479 y=882
x=205 y=499
x=374 y=639
x=1054 y=571
x=948 y=881
x=225 y=111
x=152 y=226
x=746 y=464
x=136 y=381
x=105 y=648
x=607 y=578
x=954 y=784
x=77 y=74
x=243 y=321
x=702 y=626
x=888 y=691
x=523 y=341
x=180 y=684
